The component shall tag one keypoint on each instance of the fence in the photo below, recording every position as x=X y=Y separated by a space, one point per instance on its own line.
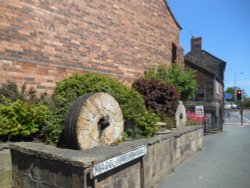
x=213 y=115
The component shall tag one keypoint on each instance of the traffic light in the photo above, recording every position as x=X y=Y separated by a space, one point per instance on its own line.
x=239 y=94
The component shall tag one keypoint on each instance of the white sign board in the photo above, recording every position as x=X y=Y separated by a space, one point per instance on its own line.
x=199 y=111
x=114 y=162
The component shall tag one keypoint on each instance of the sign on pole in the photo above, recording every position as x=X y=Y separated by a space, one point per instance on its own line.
x=228 y=96
x=199 y=111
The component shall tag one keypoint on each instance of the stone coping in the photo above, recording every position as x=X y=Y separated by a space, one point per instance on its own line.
x=89 y=156
x=4 y=146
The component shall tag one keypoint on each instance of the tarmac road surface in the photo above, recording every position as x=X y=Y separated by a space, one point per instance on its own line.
x=233 y=117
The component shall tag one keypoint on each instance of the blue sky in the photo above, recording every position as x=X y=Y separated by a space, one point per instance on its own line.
x=224 y=26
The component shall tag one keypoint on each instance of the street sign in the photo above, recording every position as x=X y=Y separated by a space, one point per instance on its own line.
x=228 y=96
x=119 y=160
x=199 y=111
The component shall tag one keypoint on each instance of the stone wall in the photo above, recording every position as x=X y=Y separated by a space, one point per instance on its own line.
x=205 y=81
x=5 y=167
x=38 y=165
x=43 y=41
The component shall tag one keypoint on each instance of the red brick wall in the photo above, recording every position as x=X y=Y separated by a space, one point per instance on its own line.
x=43 y=41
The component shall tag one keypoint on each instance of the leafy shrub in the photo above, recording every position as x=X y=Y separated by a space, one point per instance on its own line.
x=132 y=104
x=194 y=118
x=144 y=120
x=178 y=76
x=22 y=112
x=160 y=97
x=246 y=103
x=10 y=91
x=168 y=120
x=20 y=120
x=192 y=123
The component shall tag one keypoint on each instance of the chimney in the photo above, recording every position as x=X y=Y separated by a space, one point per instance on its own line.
x=196 y=44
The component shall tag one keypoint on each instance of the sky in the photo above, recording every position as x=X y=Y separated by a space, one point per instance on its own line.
x=224 y=26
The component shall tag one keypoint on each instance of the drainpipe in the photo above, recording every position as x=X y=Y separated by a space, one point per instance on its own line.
x=214 y=100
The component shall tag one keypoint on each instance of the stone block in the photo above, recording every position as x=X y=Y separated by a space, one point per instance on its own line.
x=181 y=116
x=44 y=185
x=17 y=179
x=165 y=147
x=180 y=141
x=178 y=153
x=194 y=146
x=5 y=168
x=120 y=183
x=200 y=142
x=63 y=181
x=28 y=182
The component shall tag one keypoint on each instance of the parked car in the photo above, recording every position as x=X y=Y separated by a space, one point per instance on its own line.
x=230 y=105
x=234 y=106
x=227 y=106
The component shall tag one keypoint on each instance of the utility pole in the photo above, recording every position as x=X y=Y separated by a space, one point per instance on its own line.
x=241 y=112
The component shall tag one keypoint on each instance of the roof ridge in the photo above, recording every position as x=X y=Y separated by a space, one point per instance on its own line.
x=213 y=56
x=204 y=69
x=172 y=15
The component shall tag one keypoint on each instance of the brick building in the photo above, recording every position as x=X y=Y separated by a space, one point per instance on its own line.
x=210 y=77
x=43 y=41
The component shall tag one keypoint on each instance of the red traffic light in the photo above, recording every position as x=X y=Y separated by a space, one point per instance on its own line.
x=239 y=95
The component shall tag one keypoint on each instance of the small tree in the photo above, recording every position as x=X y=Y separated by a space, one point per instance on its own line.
x=246 y=103
x=160 y=97
x=176 y=75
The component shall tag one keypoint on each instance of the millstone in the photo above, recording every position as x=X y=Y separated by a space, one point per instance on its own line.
x=181 y=116
x=94 y=119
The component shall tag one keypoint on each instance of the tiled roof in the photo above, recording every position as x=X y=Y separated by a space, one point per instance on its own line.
x=207 y=62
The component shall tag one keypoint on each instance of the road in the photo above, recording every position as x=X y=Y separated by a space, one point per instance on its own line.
x=233 y=117
x=224 y=162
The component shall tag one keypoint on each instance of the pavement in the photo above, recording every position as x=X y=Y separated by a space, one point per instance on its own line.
x=224 y=162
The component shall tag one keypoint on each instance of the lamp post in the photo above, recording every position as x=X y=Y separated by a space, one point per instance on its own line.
x=235 y=85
